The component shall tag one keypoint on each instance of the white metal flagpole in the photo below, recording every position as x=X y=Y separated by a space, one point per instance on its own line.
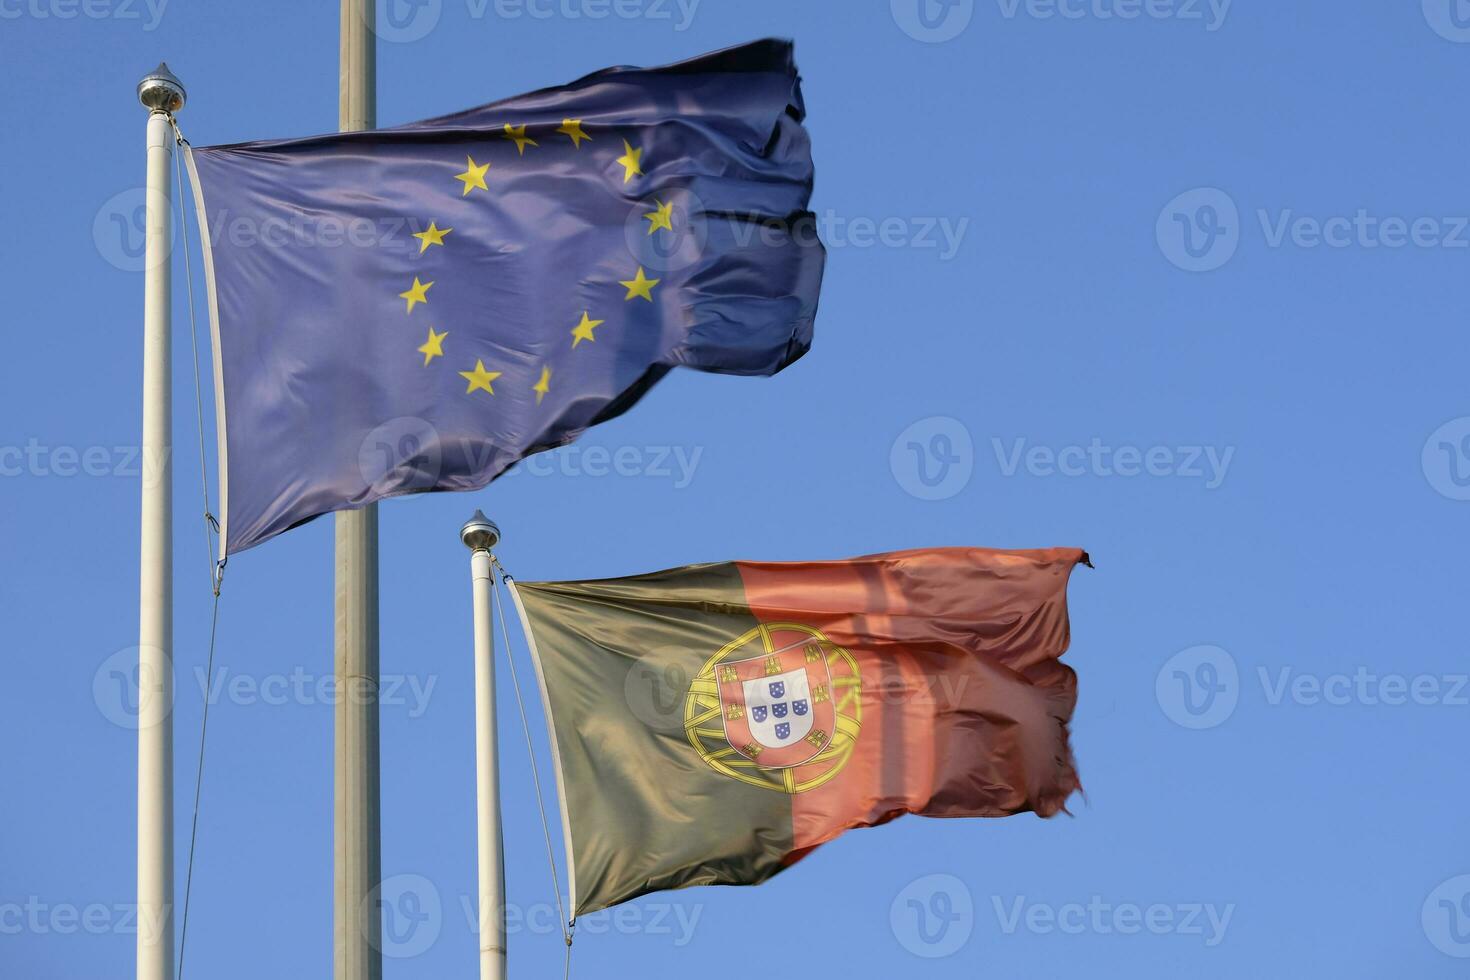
x=162 y=94
x=480 y=535
x=357 y=823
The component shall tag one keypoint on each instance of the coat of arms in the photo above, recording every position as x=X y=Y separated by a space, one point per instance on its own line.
x=779 y=707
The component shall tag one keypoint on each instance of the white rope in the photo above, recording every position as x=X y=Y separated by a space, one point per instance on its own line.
x=568 y=926
x=198 y=785
x=211 y=531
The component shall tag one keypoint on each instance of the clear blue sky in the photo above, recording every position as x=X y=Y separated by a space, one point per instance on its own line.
x=1202 y=311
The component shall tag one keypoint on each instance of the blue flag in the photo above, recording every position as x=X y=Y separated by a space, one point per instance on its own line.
x=416 y=309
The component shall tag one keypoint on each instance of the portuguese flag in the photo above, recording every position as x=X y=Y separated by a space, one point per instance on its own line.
x=712 y=724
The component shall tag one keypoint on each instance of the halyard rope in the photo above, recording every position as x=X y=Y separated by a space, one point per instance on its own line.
x=211 y=531
x=567 y=925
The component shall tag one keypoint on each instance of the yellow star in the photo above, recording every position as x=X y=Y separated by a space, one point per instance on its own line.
x=479 y=378
x=518 y=134
x=632 y=161
x=434 y=346
x=583 y=330
x=543 y=386
x=417 y=293
x=473 y=177
x=662 y=218
x=433 y=235
x=640 y=285
x=573 y=128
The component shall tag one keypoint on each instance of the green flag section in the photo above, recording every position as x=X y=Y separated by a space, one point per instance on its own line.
x=713 y=724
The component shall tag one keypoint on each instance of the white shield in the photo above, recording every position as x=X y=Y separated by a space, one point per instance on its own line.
x=779 y=708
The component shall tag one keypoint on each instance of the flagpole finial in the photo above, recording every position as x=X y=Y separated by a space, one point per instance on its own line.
x=161 y=91
x=479 y=532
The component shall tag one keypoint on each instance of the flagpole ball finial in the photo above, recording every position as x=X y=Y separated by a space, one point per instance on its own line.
x=161 y=91
x=479 y=533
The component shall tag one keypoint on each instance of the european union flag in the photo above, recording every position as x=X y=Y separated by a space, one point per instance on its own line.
x=416 y=309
